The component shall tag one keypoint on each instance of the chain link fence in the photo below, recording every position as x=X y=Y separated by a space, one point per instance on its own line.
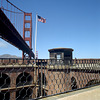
x=33 y=79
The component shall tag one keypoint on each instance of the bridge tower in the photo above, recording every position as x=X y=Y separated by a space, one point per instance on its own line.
x=27 y=32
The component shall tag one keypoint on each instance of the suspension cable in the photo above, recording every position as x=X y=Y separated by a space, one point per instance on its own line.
x=11 y=11
x=15 y=6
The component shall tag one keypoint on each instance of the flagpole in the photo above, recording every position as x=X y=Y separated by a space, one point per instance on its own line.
x=35 y=35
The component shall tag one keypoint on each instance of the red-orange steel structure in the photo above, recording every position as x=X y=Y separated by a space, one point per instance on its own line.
x=27 y=30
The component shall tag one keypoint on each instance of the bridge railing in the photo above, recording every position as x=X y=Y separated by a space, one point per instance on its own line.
x=32 y=79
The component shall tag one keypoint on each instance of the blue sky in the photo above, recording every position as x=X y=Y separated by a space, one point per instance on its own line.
x=69 y=24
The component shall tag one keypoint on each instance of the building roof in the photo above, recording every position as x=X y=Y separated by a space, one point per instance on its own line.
x=61 y=49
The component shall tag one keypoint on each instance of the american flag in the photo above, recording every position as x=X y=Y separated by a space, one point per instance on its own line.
x=40 y=19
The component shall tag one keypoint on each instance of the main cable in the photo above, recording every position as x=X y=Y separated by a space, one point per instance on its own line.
x=15 y=6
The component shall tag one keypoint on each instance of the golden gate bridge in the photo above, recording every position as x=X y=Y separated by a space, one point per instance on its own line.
x=16 y=27
x=23 y=80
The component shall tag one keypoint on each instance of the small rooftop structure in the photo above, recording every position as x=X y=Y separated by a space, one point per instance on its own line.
x=63 y=54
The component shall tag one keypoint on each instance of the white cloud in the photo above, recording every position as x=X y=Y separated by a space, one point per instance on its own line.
x=3 y=44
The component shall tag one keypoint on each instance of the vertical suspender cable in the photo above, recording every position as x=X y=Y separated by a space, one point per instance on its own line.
x=20 y=23
x=1 y=3
x=14 y=17
x=11 y=13
x=7 y=8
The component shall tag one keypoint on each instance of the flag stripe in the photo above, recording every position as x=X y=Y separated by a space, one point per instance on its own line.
x=40 y=19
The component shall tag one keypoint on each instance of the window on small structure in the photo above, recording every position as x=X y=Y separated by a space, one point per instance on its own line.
x=58 y=56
